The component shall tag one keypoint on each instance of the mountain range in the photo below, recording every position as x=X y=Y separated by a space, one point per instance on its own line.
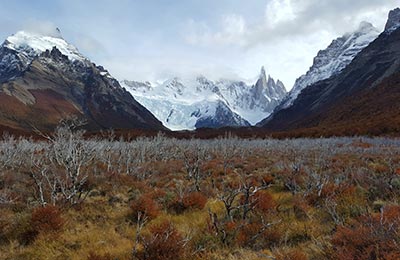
x=352 y=87
x=203 y=103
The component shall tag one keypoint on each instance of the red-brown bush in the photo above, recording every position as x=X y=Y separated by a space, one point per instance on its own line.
x=249 y=234
x=144 y=206
x=47 y=220
x=263 y=202
x=194 y=200
x=164 y=242
x=371 y=237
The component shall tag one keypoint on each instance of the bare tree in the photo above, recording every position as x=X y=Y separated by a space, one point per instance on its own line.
x=194 y=156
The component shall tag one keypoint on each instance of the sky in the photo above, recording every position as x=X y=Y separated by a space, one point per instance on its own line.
x=153 y=40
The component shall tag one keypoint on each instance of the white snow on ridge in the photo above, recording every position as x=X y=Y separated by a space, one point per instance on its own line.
x=171 y=102
x=178 y=116
x=180 y=103
x=35 y=44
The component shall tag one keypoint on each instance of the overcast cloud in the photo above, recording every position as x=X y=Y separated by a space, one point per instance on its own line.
x=157 y=39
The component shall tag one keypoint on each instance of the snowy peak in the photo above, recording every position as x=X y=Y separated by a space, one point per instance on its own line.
x=393 y=20
x=330 y=61
x=21 y=49
x=33 y=44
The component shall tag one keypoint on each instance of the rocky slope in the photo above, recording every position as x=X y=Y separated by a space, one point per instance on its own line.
x=333 y=59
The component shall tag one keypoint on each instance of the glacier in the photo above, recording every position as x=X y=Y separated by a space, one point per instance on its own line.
x=186 y=104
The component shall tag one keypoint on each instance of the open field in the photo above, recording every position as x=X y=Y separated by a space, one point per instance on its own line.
x=71 y=197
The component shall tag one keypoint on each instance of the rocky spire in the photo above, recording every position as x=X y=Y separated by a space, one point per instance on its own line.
x=261 y=82
x=270 y=87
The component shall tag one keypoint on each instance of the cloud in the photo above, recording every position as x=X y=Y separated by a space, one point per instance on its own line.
x=279 y=11
x=288 y=36
x=90 y=46
x=145 y=40
x=289 y=19
x=41 y=27
x=233 y=29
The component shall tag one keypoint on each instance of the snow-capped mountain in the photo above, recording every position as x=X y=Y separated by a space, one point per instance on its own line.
x=20 y=49
x=33 y=45
x=200 y=102
x=362 y=99
x=44 y=79
x=333 y=59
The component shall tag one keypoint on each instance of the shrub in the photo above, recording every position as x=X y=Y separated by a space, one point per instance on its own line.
x=371 y=237
x=163 y=242
x=47 y=220
x=264 y=202
x=144 y=206
x=194 y=200
x=249 y=234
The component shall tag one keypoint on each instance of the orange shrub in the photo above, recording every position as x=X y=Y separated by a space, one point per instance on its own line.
x=145 y=206
x=194 y=200
x=300 y=207
x=264 y=202
x=47 y=220
x=249 y=234
x=371 y=237
x=254 y=235
x=162 y=243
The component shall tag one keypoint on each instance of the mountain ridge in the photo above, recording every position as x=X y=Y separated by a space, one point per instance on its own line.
x=333 y=59
x=318 y=105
